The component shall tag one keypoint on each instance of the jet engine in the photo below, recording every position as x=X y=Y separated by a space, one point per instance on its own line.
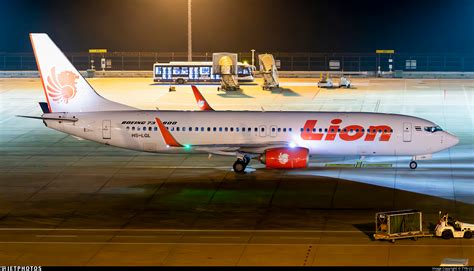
x=285 y=158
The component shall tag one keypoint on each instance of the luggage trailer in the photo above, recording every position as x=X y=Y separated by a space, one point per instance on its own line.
x=402 y=224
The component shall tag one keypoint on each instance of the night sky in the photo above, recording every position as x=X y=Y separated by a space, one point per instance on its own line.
x=223 y=25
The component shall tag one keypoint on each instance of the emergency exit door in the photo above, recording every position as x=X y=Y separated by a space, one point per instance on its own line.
x=106 y=129
x=407 y=132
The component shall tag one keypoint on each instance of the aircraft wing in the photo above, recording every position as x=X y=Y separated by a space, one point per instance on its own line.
x=222 y=149
x=232 y=149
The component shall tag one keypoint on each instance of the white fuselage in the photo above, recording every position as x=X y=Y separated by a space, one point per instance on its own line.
x=355 y=133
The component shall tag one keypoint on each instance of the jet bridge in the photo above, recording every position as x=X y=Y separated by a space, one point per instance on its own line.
x=269 y=71
x=225 y=65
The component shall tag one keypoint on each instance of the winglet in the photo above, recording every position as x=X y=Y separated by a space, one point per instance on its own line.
x=169 y=139
x=201 y=102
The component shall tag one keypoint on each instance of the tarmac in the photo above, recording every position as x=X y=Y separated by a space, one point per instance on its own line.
x=70 y=202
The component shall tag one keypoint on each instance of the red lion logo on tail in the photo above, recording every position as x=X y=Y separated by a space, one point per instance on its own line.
x=62 y=87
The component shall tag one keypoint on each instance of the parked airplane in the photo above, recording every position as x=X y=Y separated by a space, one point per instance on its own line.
x=280 y=140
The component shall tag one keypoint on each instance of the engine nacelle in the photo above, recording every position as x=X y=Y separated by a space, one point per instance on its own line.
x=285 y=158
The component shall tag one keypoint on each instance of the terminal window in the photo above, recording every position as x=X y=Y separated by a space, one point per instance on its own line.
x=410 y=64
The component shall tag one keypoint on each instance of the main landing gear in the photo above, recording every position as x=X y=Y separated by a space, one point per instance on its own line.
x=413 y=164
x=240 y=164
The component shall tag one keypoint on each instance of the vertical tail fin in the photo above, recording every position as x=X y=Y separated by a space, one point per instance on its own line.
x=201 y=102
x=65 y=88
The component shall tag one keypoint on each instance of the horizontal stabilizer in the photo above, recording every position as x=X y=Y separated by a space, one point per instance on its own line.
x=49 y=118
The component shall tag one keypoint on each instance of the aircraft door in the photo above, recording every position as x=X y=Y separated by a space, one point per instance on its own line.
x=106 y=129
x=407 y=132
x=262 y=130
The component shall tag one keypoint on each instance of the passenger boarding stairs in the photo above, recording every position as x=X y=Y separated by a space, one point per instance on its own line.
x=229 y=82
x=269 y=71
x=225 y=65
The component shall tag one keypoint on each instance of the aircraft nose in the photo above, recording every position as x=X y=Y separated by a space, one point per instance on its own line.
x=451 y=140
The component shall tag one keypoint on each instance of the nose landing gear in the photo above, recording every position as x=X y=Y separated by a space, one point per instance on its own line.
x=413 y=164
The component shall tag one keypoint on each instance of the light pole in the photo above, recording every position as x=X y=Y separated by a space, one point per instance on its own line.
x=253 y=57
x=190 y=40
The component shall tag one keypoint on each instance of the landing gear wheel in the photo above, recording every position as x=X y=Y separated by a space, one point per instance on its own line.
x=413 y=164
x=468 y=235
x=239 y=166
x=180 y=81
x=446 y=235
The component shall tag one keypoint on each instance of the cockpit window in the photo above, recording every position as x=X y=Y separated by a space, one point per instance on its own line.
x=433 y=129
